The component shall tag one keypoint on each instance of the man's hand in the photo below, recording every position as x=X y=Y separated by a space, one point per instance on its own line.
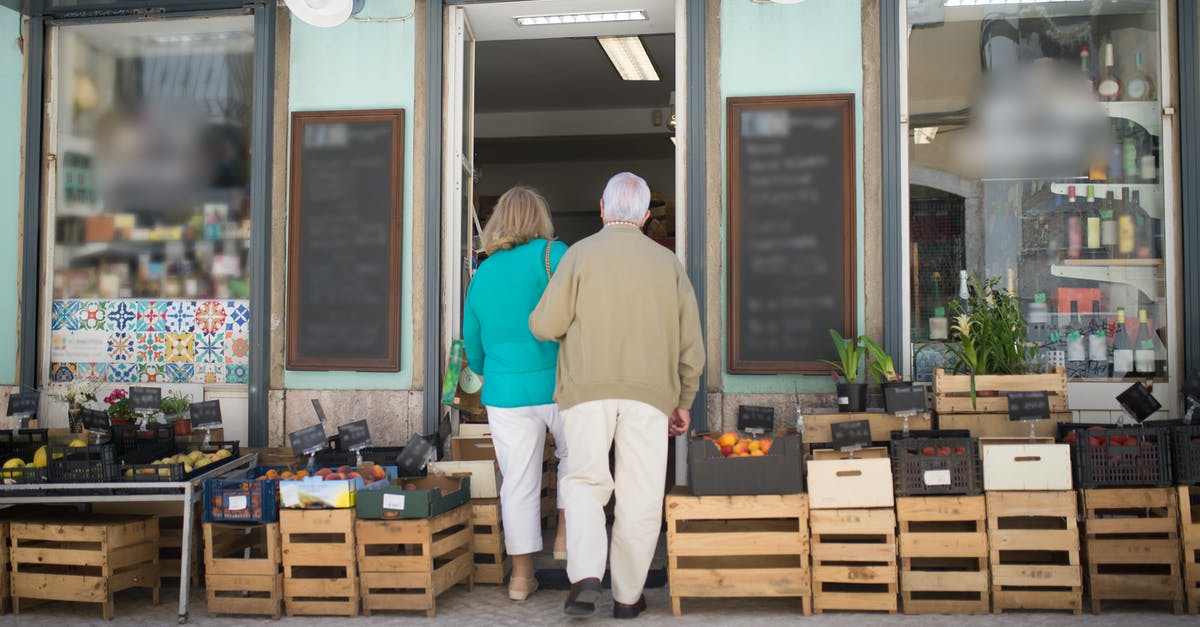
x=679 y=422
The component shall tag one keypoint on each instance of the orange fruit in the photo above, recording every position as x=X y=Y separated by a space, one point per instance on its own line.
x=727 y=439
x=756 y=453
x=764 y=446
x=272 y=474
x=741 y=448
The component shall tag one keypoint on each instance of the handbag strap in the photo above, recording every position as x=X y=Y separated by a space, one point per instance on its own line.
x=548 y=273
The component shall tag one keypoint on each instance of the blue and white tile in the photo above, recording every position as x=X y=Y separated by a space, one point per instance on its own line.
x=122 y=372
x=122 y=315
x=64 y=315
x=210 y=348
x=179 y=373
x=180 y=316
x=237 y=316
x=237 y=373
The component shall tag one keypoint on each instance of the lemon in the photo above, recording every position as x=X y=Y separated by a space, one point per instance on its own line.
x=39 y=458
x=77 y=443
x=15 y=462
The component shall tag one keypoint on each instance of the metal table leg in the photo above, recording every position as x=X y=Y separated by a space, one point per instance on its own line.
x=185 y=553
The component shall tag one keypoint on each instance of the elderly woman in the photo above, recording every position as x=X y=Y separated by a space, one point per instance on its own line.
x=518 y=370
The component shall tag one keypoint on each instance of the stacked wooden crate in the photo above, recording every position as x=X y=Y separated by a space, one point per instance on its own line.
x=1189 y=531
x=1132 y=547
x=320 y=576
x=491 y=559
x=987 y=415
x=407 y=564
x=737 y=546
x=83 y=560
x=943 y=554
x=1034 y=551
x=170 y=535
x=242 y=564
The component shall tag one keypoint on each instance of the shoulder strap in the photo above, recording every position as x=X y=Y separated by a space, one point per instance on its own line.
x=548 y=273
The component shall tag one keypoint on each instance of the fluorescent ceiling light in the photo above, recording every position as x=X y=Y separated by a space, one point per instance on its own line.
x=979 y=3
x=581 y=18
x=629 y=56
x=924 y=134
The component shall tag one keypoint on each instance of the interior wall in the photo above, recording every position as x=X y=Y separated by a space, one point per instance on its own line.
x=11 y=88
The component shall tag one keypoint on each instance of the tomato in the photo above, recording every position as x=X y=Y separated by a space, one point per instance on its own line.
x=1096 y=440
x=943 y=451
x=927 y=451
x=1071 y=438
x=960 y=450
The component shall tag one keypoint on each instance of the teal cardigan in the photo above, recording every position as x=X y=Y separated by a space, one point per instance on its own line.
x=517 y=369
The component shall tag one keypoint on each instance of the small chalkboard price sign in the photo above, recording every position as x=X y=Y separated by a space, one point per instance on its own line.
x=1028 y=406
x=95 y=420
x=144 y=399
x=851 y=435
x=206 y=415
x=1139 y=402
x=308 y=440
x=756 y=419
x=904 y=399
x=354 y=435
x=24 y=404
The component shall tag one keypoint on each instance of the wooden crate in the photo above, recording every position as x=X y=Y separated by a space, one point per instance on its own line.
x=83 y=560
x=854 y=560
x=491 y=559
x=1131 y=546
x=737 y=546
x=319 y=573
x=997 y=425
x=817 y=428
x=1033 y=540
x=952 y=392
x=170 y=535
x=407 y=564
x=943 y=554
x=1189 y=531
x=242 y=569
x=5 y=583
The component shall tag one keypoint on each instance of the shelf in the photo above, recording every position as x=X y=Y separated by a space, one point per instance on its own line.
x=1151 y=193
x=131 y=247
x=1143 y=277
x=1146 y=113
x=1112 y=262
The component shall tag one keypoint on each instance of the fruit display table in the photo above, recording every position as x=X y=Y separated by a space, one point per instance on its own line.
x=186 y=493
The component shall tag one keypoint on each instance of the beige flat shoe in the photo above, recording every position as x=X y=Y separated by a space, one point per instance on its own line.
x=560 y=549
x=519 y=588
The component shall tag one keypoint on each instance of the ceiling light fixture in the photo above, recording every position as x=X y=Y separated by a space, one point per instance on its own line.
x=558 y=19
x=629 y=56
x=924 y=134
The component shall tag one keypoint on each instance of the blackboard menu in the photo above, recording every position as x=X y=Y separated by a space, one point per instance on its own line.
x=904 y=398
x=792 y=234
x=345 y=221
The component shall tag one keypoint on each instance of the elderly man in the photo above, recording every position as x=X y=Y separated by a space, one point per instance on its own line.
x=630 y=354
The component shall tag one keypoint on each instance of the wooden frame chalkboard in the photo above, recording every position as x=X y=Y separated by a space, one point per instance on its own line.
x=363 y=305
x=790 y=334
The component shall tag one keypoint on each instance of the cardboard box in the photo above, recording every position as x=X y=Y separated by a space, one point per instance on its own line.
x=391 y=500
x=780 y=471
x=474 y=430
x=317 y=493
x=1026 y=467
x=485 y=479
x=846 y=483
x=472 y=449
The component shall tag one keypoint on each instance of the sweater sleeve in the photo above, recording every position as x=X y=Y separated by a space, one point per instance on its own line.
x=556 y=310
x=557 y=250
x=691 y=342
x=472 y=342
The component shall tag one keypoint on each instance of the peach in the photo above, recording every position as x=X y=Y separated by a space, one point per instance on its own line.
x=333 y=476
x=323 y=472
x=753 y=446
x=344 y=469
x=727 y=439
x=352 y=475
x=272 y=474
x=757 y=453
x=764 y=446
x=378 y=473
x=741 y=448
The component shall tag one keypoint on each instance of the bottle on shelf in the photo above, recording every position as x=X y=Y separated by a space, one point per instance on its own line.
x=1085 y=66
x=1108 y=87
x=1126 y=227
x=1038 y=319
x=1077 y=354
x=939 y=325
x=1129 y=151
x=1108 y=226
x=1092 y=230
x=1074 y=226
x=1144 y=358
x=1139 y=86
x=1122 y=349
x=1143 y=232
x=1115 y=153
x=964 y=291
x=1097 y=344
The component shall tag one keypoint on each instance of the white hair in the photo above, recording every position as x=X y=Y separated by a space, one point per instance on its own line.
x=626 y=197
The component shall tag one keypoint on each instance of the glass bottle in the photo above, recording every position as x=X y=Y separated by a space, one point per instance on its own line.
x=1143 y=352
x=1108 y=226
x=1129 y=151
x=1139 y=86
x=1122 y=349
x=1074 y=226
x=1143 y=235
x=1097 y=344
x=1092 y=214
x=1126 y=228
x=1108 y=87
x=1077 y=353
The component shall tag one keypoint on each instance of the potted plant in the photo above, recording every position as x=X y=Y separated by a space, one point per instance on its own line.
x=883 y=367
x=851 y=394
x=120 y=412
x=175 y=409
x=75 y=396
x=989 y=334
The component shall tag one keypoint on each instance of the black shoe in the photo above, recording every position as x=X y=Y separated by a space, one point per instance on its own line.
x=620 y=610
x=581 y=601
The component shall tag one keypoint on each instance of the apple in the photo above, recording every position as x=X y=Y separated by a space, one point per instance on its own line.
x=323 y=472
x=727 y=451
x=352 y=475
x=344 y=469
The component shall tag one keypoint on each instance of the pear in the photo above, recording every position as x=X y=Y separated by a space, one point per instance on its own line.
x=201 y=463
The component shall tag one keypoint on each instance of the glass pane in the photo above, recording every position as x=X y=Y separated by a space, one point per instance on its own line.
x=1034 y=160
x=152 y=207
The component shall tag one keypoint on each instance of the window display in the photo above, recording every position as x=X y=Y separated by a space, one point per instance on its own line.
x=1036 y=157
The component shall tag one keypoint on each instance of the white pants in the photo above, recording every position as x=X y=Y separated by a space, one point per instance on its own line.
x=639 y=432
x=519 y=435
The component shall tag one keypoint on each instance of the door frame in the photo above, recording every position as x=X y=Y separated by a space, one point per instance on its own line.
x=690 y=20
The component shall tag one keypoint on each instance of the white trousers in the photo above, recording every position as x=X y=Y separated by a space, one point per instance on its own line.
x=519 y=435
x=639 y=432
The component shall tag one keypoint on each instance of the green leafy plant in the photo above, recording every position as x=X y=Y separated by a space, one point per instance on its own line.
x=882 y=367
x=850 y=354
x=989 y=333
x=175 y=403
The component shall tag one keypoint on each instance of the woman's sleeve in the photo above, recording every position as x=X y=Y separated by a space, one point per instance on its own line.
x=472 y=342
x=557 y=250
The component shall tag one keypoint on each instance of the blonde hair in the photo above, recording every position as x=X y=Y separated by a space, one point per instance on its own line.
x=521 y=215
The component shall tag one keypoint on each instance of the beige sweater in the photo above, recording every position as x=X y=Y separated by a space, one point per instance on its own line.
x=625 y=317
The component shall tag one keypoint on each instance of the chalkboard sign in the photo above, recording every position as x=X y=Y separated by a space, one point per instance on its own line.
x=307 y=440
x=1139 y=402
x=345 y=220
x=1028 y=405
x=23 y=404
x=145 y=399
x=95 y=420
x=206 y=414
x=792 y=233
x=850 y=434
x=757 y=418
x=354 y=435
x=904 y=398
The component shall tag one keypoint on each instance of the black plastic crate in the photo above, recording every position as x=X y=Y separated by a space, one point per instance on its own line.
x=1185 y=444
x=915 y=458
x=153 y=472
x=22 y=443
x=241 y=500
x=83 y=464
x=133 y=444
x=25 y=474
x=1114 y=456
x=146 y=470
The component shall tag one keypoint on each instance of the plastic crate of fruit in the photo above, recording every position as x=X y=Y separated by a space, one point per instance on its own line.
x=130 y=441
x=928 y=466
x=83 y=464
x=28 y=459
x=1109 y=456
x=187 y=462
x=241 y=500
x=1185 y=445
x=23 y=442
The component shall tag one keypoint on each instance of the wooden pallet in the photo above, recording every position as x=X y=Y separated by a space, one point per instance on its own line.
x=854 y=560
x=170 y=535
x=952 y=392
x=85 y=560
x=491 y=559
x=1132 y=547
x=737 y=546
x=242 y=569
x=407 y=564
x=319 y=557
x=1033 y=540
x=943 y=554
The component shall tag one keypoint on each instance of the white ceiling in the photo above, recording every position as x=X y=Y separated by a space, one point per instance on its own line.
x=494 y=20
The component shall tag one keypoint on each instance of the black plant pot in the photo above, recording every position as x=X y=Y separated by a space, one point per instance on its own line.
x=852 y=397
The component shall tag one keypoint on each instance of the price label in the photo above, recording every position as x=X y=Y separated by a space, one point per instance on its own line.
x=145 y=399
x=308 y=440
x=354 y=435
x=23 y=404
x=95 y=420
x=206 y=414
x=904 y=399
x=1028 y=406
x=393 y=502
x=756 y=418
x=851 y=434
x=937 y=478
x=289 y=494
x=235 y=503
x=1139 y=402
